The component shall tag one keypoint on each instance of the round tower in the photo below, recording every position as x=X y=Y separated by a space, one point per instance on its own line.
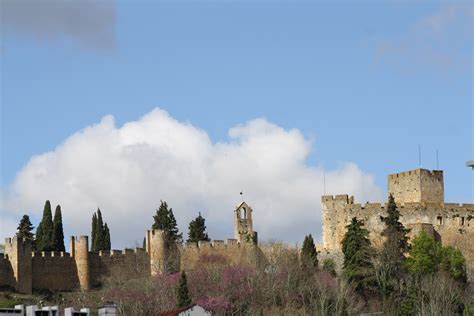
x=157 y=250
x=80 y=252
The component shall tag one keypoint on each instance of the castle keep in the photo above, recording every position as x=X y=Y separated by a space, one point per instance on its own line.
x=81 y=269
x=419 y=195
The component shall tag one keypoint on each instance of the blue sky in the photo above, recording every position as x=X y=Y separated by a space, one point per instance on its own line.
x=366 y=82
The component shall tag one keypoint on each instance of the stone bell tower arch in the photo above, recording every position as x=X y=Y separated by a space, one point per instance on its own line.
x=243 y=224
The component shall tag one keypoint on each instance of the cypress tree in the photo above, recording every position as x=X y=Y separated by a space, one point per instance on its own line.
x=100 y=238
x=58 y=233
x=391 y=267
x=309 y=256
x=100 y=233
x=94 y=233
x=165 y=220
x=394 y=230
x=107 y=244
x=183 y=293
x=44 y=232
x=39 y=236
x=174 y=231
x=24 y=230
x=358 y=268
x=197 y=230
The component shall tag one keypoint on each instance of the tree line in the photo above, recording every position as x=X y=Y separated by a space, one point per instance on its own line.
x=49 y=234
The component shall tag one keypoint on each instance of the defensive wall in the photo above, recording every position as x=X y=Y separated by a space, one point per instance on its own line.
x=81 y=269
x=419 y=195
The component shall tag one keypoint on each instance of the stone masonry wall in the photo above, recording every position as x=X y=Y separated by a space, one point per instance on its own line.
x=55 y=271
x=128 y=263
x=192 y=254
x=6 y=271
x=452 y=224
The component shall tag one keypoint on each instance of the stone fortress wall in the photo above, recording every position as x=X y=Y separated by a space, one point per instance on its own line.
x=81 y=269
x=419 y=195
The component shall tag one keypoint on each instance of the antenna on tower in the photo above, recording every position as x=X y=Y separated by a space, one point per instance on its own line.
x=437 y=159
x=324 y=181
x=419 y=155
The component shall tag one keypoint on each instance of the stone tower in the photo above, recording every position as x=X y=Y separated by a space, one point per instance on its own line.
x=19 y=254
x=334 y=212
x=155 y=246
x=79 y=249
x=243 y=225
x=417 y=186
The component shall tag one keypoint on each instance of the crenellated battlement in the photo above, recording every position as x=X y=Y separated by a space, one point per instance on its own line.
x=214 y=244
x=419 y=171
x=82 y=269
x=50 y=254
x=419 y=195
x=344 y=198
x=117 y=253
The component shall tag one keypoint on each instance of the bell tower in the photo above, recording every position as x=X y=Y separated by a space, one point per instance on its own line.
x=243 y=224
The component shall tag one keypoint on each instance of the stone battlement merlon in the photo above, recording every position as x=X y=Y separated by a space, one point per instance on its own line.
x=50 y=254
x=340 y=197
x=214 y=244
x=417 y=171
x=14 y=240
x=415 y=205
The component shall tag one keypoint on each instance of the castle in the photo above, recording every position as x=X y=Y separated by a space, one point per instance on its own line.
x=81 y=269
x=419 y=195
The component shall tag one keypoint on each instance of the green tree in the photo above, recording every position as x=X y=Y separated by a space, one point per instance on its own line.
x=428 y=256
x=330 y=266
x=24 y=228
x=94 y=233
x=309 y=256
x=197 y=230
x=58 y=233
x=44 y=231
x=165 y=221
x=107 y=244
x=453 y=262
x=390 y=267
x=425 y=255
x=100 y=233
x=100 y=238
x=358 y=268
x=183 y=293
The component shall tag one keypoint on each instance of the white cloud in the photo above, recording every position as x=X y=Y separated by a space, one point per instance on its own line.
x=127 y=170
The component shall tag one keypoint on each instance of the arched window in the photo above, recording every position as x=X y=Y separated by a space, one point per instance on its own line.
x=245 y=212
